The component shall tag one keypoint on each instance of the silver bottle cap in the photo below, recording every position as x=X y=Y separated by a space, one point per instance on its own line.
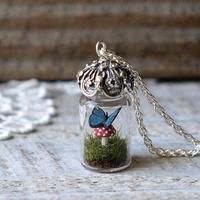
x=109 y=76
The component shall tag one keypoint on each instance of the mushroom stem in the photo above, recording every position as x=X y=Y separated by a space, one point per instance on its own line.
x=104 y=141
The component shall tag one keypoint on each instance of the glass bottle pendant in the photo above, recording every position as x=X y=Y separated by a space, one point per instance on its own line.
x=105 y=143
x=105 y=115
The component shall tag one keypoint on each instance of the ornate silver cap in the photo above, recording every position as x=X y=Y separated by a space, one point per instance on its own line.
x=108 y=76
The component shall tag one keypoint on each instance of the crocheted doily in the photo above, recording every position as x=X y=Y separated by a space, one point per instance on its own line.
x=24 y=105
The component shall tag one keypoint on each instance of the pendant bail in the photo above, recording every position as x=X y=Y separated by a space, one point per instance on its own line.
x=101 y=49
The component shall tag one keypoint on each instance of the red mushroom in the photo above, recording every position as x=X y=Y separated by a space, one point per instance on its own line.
x=104 y=133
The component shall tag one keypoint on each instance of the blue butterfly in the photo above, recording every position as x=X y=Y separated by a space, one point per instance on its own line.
x=100 y=118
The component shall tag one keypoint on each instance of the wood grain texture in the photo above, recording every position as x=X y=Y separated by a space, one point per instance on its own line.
x=45 y=164
x=157 y=34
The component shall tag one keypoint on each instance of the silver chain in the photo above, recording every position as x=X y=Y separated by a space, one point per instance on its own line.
x=140 y=85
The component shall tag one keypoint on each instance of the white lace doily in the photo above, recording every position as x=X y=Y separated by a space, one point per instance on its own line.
x=23 y=106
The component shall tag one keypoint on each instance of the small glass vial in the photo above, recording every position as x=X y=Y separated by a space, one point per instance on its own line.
x=105 y=148
x=105 y=113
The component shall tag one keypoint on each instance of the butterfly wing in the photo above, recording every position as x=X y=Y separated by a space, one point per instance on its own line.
x=97 y=118
x=112 y=117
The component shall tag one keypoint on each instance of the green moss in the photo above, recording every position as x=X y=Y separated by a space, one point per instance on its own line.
x=111 y=155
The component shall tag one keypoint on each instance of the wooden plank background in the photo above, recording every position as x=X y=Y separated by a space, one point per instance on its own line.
x=51 y=40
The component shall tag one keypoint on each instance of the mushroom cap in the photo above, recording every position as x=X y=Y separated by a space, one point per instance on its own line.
x=104 y=132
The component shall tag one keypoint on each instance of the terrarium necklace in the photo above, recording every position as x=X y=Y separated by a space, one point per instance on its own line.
x=110 y=88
